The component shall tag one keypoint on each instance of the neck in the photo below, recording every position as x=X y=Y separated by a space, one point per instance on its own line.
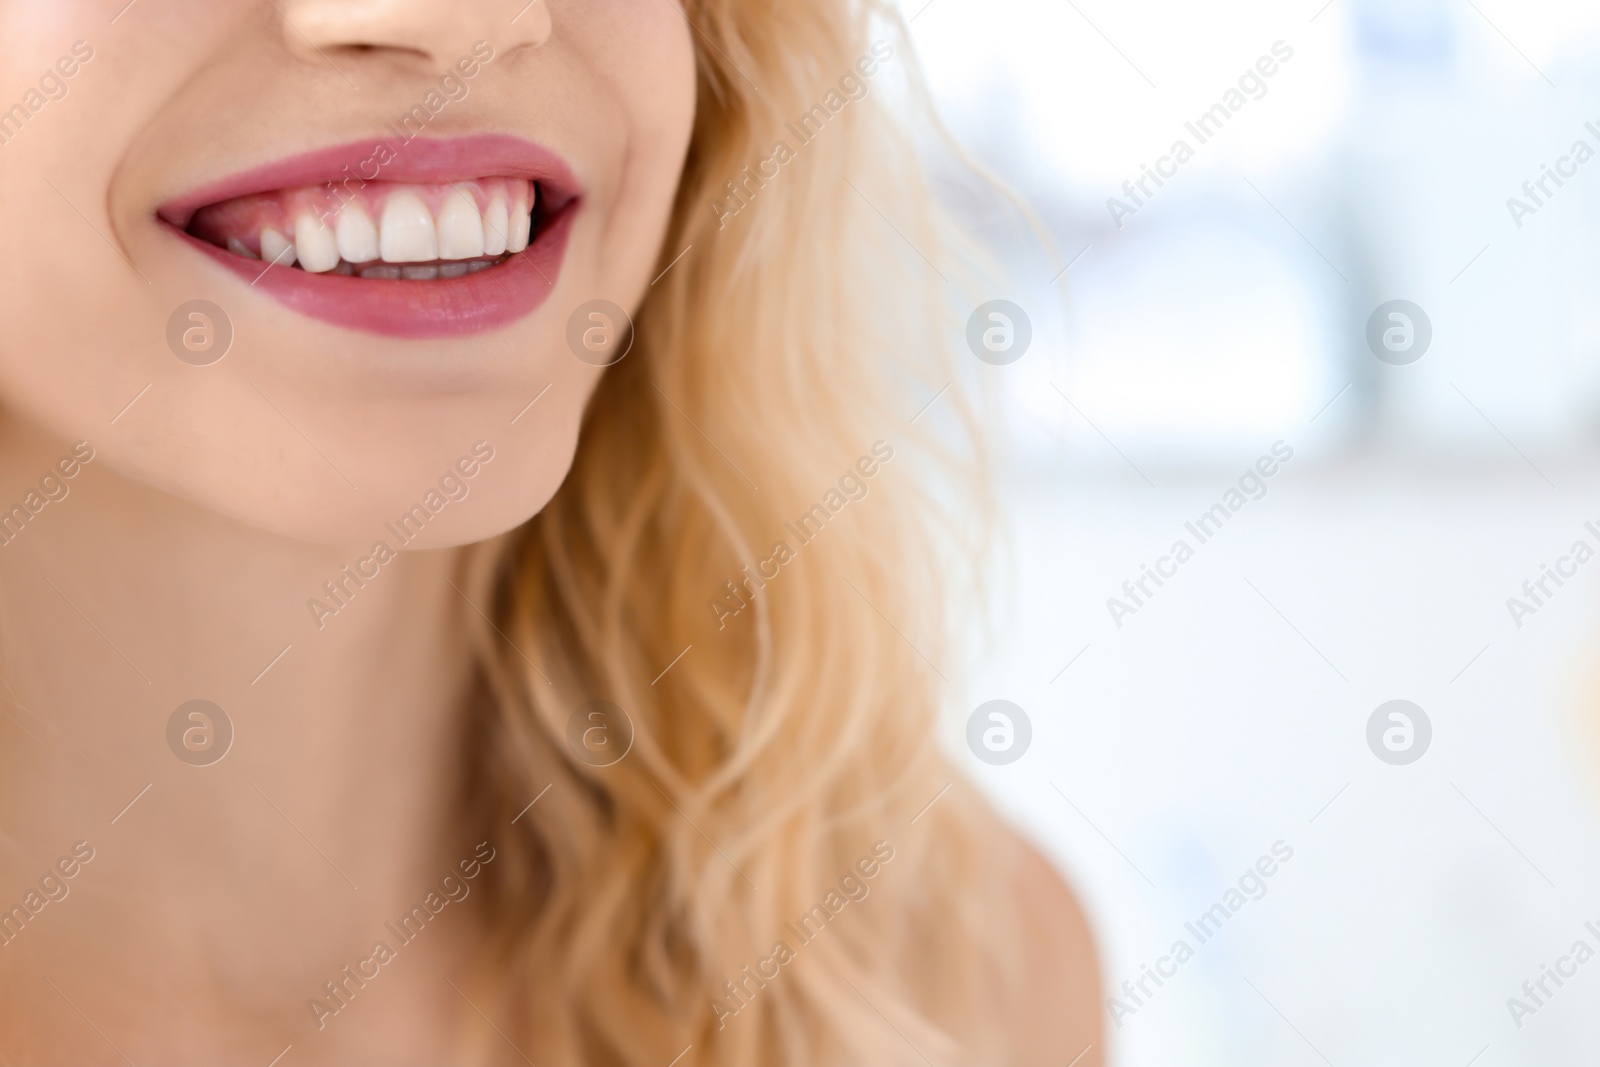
x=242 y=883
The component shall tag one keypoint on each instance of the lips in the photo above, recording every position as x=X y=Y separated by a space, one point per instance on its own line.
x=421 y=238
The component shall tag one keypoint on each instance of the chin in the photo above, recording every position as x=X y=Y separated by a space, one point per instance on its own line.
x=409 y=495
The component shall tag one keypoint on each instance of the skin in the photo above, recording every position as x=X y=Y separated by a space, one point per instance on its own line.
x=1054 y=995
x=192 y=541
x=180 y=563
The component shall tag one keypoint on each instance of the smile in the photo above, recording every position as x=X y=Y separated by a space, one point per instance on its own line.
x=420 y=238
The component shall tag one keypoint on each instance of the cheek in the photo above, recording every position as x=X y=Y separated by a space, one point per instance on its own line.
x=84 y=313
x=636 y=113
x=78 y=319
x=661 y=100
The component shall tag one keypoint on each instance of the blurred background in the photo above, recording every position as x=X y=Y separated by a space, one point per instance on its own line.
x=1181 y=336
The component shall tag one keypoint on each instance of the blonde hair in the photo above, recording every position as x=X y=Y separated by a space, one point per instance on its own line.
x=790 y=737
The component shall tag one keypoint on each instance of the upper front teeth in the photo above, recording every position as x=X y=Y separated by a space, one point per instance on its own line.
x=496 y=224
x=407 y=231
x=356 y=235
x=460 y=227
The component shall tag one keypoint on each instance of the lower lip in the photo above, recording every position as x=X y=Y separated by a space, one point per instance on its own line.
x=442 y=307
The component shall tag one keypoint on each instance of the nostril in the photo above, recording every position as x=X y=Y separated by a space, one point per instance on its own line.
x=436 y=32
x=362 y=51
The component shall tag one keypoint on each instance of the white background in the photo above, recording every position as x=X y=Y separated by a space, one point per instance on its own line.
x=1231 y=711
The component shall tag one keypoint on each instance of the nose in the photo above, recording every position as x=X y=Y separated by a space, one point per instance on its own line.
x=435 y=33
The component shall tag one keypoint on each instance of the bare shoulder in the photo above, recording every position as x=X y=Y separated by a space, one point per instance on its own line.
x=1054 y=990
x=1000 y=953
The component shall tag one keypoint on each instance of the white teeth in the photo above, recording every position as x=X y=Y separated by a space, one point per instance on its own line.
x=460 y=227
x=496 y=224
x=314 y=244
x=276 y=248
x=357 y=236
x=521 y=219
x=406 y=234
x=461 y=240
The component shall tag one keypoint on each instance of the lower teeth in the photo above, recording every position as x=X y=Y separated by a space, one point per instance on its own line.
x=417 y=272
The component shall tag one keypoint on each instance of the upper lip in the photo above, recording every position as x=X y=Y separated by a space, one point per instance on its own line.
x=468 y=304
x=422 y=159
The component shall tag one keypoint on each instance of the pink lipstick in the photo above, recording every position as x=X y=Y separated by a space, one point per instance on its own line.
x=414 y=239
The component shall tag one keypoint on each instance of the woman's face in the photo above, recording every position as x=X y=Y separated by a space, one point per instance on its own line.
x=308 y=262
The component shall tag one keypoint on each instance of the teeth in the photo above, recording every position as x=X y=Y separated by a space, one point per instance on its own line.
x=276 y=249
x=407 y=234
x=473 y=229
x=496 y=225
x=314 y=244
x=460 y=227
x=357 y=236
x=521 y=218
